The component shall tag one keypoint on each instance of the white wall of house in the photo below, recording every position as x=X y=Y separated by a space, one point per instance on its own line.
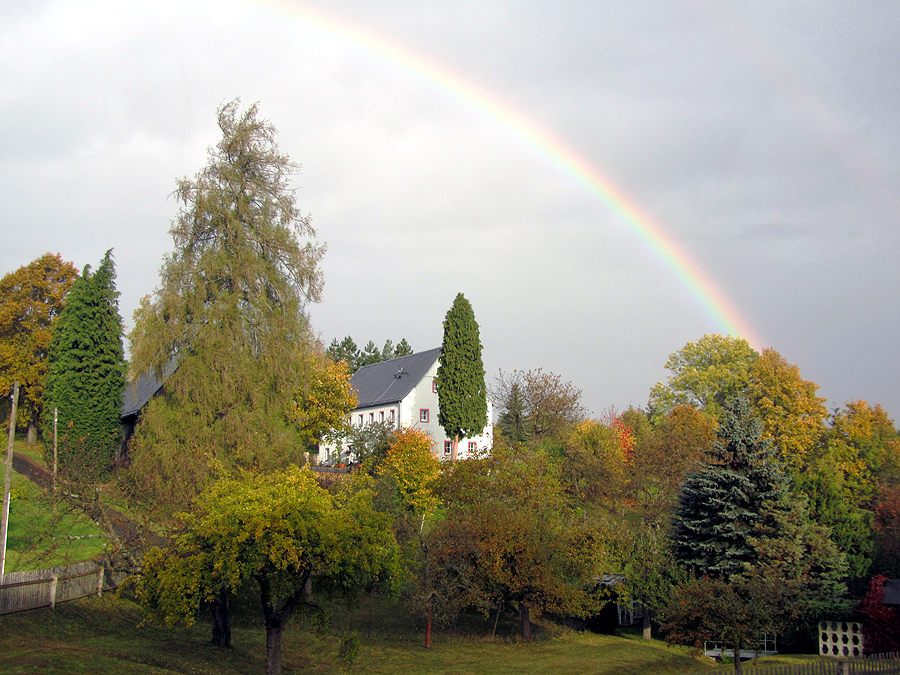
x=418 y=409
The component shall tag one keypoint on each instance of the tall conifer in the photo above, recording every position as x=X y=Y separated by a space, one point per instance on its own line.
x=462 y=393
x=722 y=503
x=86 y=374
x=230 y=311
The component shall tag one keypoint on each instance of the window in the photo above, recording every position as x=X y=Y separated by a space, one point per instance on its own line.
x=423 y=415
x=392 y=414
x=434 y=386
x=473 y=447
x=381 y=416
x=448 y=446
x=371 y=417
x=360 y=420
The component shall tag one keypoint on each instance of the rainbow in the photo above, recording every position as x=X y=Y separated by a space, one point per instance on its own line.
x=699 y=283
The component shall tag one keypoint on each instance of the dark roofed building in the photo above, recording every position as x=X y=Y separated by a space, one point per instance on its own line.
x=136 y=395
x=402 y=392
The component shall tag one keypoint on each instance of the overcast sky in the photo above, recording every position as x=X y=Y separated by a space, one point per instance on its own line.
x=762 y=138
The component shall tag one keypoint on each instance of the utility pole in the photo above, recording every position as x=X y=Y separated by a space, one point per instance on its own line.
x=8 y=480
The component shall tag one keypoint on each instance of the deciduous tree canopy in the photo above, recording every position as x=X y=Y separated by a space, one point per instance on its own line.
x=793 y=416
x=535 y=404
x=280 y=530
x=321 y=410
x=31 y=299
x=705 y=374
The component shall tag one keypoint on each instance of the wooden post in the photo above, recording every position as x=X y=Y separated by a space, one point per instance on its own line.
x=54 y=580
x=100 y=582
x=55 y=418
x=8 y=479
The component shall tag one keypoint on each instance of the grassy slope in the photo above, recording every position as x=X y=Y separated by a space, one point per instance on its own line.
x=36 y=537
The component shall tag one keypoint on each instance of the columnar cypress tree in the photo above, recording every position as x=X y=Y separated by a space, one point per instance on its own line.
x=721 y=504
x=462 y=393
x=86 y=375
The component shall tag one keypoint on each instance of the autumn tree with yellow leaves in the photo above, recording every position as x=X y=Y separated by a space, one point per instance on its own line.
x=31 y=299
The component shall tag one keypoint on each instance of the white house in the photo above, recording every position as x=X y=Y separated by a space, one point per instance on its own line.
x=403 y=392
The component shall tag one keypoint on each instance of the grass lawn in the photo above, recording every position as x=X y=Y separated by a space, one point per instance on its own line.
x=101 y=635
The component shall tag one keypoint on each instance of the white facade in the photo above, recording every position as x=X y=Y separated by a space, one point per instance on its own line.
x=419 y=408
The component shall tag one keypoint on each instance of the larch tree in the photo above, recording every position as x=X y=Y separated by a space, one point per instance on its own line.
x=462 y=393
x=86 y=371
x=31 y=299
x=230 y=310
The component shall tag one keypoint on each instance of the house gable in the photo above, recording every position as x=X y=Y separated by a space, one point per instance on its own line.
x=402 y=392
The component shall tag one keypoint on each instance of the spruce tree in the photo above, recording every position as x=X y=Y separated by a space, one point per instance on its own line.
x=462 y=393
x=722 y=504
x=403 y=348
x=86 y=372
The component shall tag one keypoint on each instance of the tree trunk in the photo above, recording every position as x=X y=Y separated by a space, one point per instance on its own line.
x=496 y=619
x=453 y=445
x=647 y=634
x=428 y=626
x=526 y=621
x=275 y=620
x=274 y=632
x=221 y=616
x=31 y=436
x=738 y=669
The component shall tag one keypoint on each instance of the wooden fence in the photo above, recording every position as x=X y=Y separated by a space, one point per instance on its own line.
x=22 y=591
x=872 y=665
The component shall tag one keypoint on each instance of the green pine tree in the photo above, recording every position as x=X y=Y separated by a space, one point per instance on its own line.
x=512 y=421
x=403 y=348
x=86 y=374
x=462 y=393
x=347 y=351
x=721 y=504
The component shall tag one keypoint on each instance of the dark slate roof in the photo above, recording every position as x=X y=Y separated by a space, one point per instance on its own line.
x=891 y=592
x=390 y=381
x=142 y=389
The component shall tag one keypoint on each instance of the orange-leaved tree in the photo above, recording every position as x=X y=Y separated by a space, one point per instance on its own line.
x=31 y=299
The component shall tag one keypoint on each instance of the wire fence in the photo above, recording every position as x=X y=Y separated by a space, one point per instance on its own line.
x=873 y=664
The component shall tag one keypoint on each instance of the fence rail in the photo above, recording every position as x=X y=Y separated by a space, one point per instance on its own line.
x=21 y=591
